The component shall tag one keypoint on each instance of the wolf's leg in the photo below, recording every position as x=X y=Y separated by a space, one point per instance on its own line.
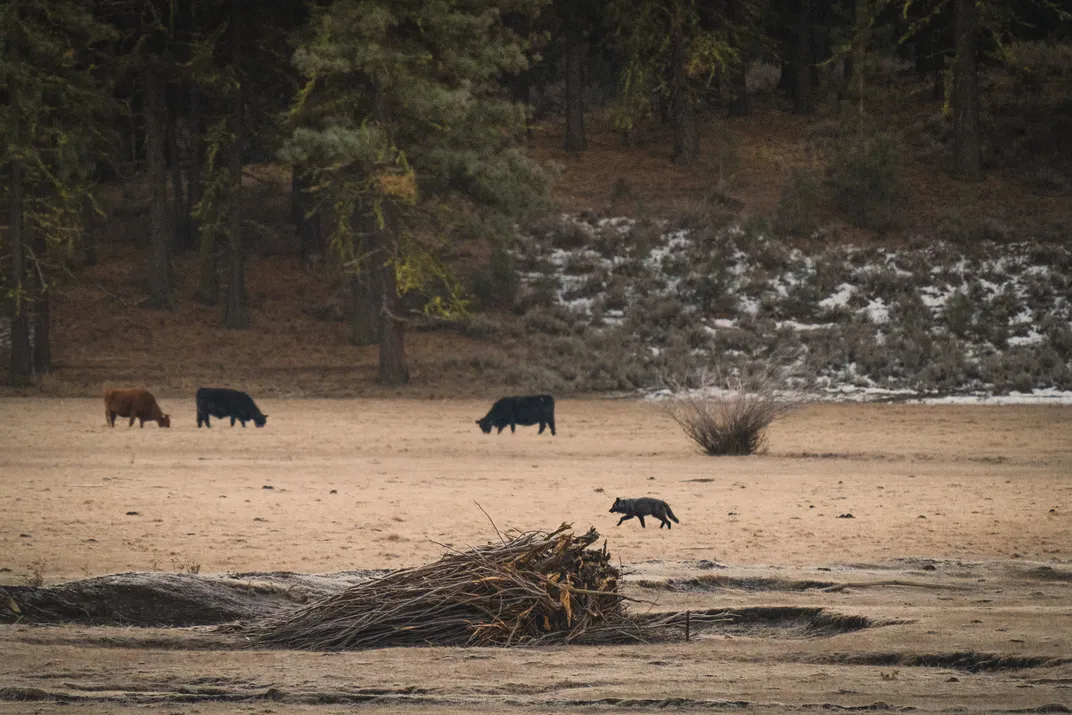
x=627 y=516
x=641 y=517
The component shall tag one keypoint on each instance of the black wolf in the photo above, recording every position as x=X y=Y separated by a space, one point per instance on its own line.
x=221 y=402
x=645 y=506
x=526 y=410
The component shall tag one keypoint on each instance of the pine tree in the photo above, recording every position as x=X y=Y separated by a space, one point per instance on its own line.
x=673 y=48
x=412 y=143
x=51 y=106
x=972 y=20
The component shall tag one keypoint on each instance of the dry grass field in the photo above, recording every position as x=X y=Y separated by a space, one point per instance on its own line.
x=967 y=509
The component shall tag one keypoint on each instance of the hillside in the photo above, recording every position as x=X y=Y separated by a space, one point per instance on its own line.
x=103 y=335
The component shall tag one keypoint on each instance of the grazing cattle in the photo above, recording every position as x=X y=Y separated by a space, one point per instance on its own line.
x=135 y=403
x=526 y=410
x=221 y=402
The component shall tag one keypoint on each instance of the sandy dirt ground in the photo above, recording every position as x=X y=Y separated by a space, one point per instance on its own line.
x=970 y=506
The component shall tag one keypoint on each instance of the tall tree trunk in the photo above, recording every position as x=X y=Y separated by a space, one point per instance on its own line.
x=20 y=367
x=183 y=238
x=296 y=181
x=42 y=335
x=208 y=283
x=738 y=72
x=194 y=177
x=802 y=60
x=366 y=288
x=367 y=306
x=521 y=93
x=161 y=232
x=236 y=310
x=303 y=215
x=682 y=110
x=576 y=54
x=968 y=156
x=89 y=234
x=739 y=106
x=938 y=89
x=787 y=80
x=861 y=38
x=393 y=367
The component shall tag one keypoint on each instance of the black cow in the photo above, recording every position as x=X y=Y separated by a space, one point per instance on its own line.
x=513 y=411
x=221 y=402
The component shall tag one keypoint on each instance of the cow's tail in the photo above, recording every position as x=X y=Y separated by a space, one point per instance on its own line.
x=670 y=513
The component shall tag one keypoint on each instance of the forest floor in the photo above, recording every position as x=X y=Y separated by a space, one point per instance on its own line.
x=103 y=334
x=957 y=556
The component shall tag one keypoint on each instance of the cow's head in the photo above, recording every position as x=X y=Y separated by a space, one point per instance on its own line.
x=485 y=424
x=164 y=421
x=259 y=420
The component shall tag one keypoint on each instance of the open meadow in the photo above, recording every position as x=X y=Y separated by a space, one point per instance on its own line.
x=958 y=555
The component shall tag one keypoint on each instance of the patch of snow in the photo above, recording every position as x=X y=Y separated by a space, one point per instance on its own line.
x=877 y=312
x=1044 y=396
x=748 y=304
x=840 y=298
x=803 y=327
x=1032 y=338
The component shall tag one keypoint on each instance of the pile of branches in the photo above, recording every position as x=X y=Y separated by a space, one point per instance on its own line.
x=538 y=588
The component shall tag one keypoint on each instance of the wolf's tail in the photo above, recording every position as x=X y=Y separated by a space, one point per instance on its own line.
x=670 y=513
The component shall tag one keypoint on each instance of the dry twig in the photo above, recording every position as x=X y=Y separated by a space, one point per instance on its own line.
x=539 y=587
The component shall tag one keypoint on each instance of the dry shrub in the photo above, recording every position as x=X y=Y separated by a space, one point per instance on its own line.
x=865 y=174
x=801 y=200
x=728 y=415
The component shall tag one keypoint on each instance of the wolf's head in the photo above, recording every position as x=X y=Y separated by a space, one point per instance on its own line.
x=619 y=506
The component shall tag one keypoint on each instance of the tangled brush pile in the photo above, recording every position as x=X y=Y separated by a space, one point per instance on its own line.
x=540 y=587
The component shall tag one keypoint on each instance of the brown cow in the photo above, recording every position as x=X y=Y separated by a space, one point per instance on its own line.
x=135 y=403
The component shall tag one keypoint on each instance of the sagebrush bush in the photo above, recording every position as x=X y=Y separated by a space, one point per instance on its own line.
x=865 y=176
x=728 y=416
x=495 y=285
x=801 y=200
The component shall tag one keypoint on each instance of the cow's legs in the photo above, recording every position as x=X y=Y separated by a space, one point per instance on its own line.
x=551 y=424
x=627 y=516
x=141 y=423
x=109 y=416
x=243 y=423
x=132 y=418
x=542 y=425
x=501 y=428
x=232 y=420
x=513 y=427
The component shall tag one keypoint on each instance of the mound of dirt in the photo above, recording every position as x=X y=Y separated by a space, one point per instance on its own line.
x=160 y=599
